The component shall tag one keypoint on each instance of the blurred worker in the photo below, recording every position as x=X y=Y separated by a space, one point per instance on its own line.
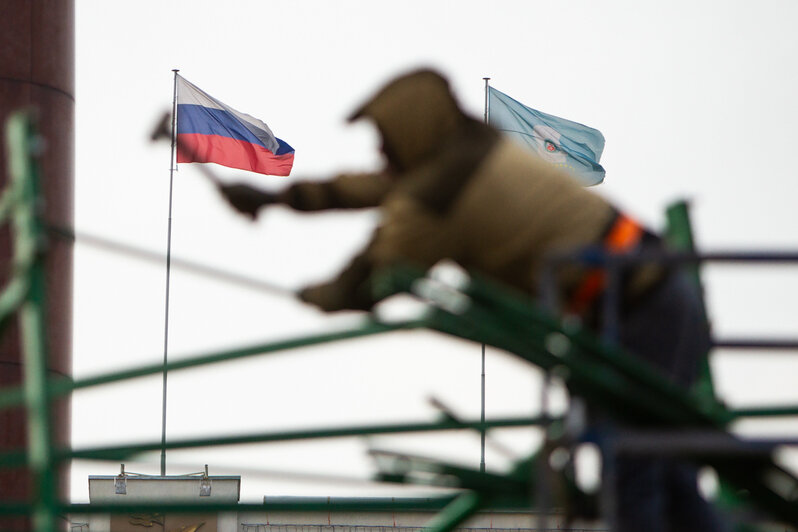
x=453 y=188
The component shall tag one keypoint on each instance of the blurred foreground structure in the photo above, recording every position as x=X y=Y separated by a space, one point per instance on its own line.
x=541 y=488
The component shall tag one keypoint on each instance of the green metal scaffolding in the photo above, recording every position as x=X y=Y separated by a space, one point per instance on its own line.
x=694 y=425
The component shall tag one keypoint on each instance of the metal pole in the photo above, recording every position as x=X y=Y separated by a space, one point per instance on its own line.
x=543 y=485
x=482 y=415
x=487 y=103
x=168 y=271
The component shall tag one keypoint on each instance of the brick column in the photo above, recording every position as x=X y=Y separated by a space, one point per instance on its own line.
x=37 y=67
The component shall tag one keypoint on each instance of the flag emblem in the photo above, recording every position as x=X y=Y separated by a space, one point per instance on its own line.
x=563 y=143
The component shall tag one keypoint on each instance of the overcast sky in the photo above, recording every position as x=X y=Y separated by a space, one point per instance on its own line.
x=696 y=101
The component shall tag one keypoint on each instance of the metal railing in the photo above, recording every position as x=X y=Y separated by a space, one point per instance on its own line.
x=481 y=311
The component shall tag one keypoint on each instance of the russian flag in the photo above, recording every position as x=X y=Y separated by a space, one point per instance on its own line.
x=208 y=131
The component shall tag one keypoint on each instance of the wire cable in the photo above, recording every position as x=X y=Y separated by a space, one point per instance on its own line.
x=217 y=274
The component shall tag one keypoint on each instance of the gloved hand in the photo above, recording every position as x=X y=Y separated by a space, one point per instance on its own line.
x=326 y=296
x=246 y=199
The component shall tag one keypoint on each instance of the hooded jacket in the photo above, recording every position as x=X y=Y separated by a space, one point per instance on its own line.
x=453 y=189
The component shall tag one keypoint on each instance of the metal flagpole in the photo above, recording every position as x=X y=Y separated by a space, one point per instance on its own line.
x=482 y=415
x=487 y=104
x=168 y=271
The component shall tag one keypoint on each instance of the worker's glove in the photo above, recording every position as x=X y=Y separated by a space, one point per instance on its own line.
x=246 y=199
x=325 y=296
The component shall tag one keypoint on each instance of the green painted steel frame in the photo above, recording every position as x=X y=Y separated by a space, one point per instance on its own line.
x=483 y=312
x=26 y=292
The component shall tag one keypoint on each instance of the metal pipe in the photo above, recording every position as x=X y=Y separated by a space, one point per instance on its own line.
x=150 y=256
x=482 y=410
x=755 y=343
x=482 y=414
x=695 y=443
x=125 y=451
x=58 y=387
x=597 y=259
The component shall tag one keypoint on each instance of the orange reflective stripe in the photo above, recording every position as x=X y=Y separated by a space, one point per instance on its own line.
x=624 y=235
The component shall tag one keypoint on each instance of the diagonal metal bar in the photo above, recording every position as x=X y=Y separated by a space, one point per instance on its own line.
x=56 y=387
x=146 y=255
x=455 y=513
x=609 y=377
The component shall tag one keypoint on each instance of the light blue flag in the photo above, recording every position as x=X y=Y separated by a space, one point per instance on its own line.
x=564 y=143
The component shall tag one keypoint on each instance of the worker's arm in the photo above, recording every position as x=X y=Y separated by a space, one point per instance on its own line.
x=410 y=235
x=349 y=291
x=346 y=191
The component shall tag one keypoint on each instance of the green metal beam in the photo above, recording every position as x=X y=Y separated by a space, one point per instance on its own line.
x=679 y=237
x=435 y=503
x=123 y=452
x=484 y=312
x=605 y=375
x=455 y=513
x=765 y=411
x=63 y=386
x=28 y=239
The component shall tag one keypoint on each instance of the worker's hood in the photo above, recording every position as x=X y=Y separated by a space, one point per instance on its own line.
x=415 y=114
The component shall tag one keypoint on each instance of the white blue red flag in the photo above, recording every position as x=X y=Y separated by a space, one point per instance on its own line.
x=208 y=131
